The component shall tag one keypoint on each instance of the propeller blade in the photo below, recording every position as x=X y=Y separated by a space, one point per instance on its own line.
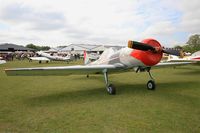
x=171 y=51
x=146 y=47
x=140 y=46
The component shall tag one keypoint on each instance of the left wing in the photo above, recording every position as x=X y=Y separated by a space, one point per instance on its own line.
x=62 y=70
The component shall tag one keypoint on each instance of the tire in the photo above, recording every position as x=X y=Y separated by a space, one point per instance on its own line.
x=151 y=85
x=111 y=89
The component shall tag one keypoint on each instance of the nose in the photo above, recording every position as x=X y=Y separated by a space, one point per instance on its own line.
x=149 y=58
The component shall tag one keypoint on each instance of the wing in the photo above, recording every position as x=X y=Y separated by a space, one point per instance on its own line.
x=39 y=58
x=163 y=64
x=62 y=70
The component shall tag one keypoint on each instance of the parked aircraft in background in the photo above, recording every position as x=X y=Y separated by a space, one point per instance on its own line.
x=138 y=56
x=47 y=57
x=193 y=58
x=40 y=59
x=2 y=61
x=93 y=56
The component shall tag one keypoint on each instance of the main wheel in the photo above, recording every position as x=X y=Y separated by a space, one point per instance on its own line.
x=111 y=89
x=151 y=85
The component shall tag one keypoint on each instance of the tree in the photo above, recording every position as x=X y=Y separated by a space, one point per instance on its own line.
x=37 y=48
x=193 y=44
x=44 y=48
x=32 y=46
x=178 y=47
x=194 y=40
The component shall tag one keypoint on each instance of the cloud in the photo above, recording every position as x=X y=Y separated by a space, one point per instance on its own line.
x=189 y=19
x=59 y=22
x=24 y=15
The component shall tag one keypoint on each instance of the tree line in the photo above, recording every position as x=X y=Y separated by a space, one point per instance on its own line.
x=38 y=48
x=192 y=45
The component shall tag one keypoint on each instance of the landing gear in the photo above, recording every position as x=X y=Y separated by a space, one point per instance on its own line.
x=151 y=85
x=109 y=87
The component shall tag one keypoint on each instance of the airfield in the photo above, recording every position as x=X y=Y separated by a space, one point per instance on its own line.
x=79 y=104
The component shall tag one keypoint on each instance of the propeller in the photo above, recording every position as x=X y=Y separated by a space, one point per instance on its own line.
x=147 y=47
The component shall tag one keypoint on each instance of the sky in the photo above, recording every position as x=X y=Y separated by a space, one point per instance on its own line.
x=107 y=22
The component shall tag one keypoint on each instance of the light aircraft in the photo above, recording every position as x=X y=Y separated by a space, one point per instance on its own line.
x=138 y=56
x=94 y=56
x=47 y=57
x=40 y=59
x=2 y=61
x=192 y=58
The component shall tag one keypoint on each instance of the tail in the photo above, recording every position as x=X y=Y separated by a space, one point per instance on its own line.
x=86 y=58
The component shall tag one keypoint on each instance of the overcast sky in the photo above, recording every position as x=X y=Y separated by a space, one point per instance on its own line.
x=61 y=22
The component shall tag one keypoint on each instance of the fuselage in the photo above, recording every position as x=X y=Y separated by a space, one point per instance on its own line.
x=126 y=56
x=130 y=57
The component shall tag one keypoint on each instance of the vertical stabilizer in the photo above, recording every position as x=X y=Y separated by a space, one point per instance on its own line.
x=86 y=58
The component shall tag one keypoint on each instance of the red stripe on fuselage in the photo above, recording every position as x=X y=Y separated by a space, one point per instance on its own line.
x=148 y=57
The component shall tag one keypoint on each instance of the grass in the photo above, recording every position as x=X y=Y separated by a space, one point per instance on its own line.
x=79 y=104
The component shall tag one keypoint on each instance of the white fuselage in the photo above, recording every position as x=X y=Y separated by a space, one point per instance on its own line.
x=122 y=56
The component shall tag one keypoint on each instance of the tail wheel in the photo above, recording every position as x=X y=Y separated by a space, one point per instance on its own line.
x=111 y=89
x=151 y=85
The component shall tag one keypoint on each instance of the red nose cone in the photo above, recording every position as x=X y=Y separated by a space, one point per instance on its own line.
x=148 y=57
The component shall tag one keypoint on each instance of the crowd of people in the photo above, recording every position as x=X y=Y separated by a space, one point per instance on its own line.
x=10 y=56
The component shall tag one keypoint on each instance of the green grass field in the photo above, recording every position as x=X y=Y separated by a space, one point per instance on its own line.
x=65 y=104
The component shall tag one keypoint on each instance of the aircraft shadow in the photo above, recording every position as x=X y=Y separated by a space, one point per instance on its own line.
x=96 y=94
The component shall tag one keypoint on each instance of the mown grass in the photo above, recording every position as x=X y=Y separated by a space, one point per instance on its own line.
x=79 y=104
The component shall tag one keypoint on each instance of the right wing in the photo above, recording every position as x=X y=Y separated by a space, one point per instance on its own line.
x=163 y=64
x=62 y=70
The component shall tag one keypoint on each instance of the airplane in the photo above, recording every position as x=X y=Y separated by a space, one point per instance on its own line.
x=138 y=56
x=40 y=59
x=94 y=56
x=2 y=61
x=192 y=58
x=47 y=57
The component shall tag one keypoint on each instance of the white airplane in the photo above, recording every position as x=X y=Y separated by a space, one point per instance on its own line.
x=138 y=56
x=93 y=56
x=192 y=58
x=40 y=59
x=2 y=61
x=47 y=57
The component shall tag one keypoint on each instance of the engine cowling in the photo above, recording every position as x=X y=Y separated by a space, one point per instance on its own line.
x=149 y=58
